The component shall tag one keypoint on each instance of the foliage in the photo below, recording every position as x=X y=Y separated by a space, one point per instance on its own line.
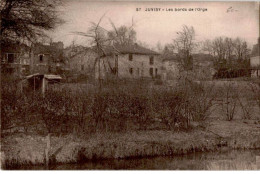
x=26 y=20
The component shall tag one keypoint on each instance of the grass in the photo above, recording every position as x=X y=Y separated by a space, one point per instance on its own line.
x=28 y=149
x=124 y=123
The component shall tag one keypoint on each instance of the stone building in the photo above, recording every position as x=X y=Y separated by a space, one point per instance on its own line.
x=15 y=59
x=128 y=61
x=47 y=58
x=255 y=60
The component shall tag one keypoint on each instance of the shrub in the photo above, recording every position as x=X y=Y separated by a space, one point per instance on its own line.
x=117 y=107
x=229 y=101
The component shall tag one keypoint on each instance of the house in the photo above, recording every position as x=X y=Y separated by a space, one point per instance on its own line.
x=81 y=59
x=15 y=59
x=128 y=61
x=170 y=69
x=255 y=60
x=47 y=58
x=203 y=66
x=170 y=64
x=255 y=66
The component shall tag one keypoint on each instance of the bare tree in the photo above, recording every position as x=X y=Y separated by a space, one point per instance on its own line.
x=26 y=20
x=99 y=40
x=229 y=47
x=240 y=48
x=103 y=39
x=208 y=47
x=225 y=48
x=185 y=44
x=219 y=49
x=229 y=101
x=123 y=34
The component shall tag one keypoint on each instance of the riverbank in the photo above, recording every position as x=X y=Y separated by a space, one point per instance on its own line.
x=20 y=149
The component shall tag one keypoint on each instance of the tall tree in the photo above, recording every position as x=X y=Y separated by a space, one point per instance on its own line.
x=185 y=43
x=240 y=49
x=123 y=34
x=26 y=20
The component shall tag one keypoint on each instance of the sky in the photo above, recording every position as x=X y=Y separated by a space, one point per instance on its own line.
x=231 y=19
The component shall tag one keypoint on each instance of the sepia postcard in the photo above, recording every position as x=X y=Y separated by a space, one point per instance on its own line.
x=130 y=85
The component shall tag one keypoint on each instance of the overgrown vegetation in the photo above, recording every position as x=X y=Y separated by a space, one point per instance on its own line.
x=117 y=108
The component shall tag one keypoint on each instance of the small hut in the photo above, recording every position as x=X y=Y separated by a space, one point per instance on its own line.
x=40 y=81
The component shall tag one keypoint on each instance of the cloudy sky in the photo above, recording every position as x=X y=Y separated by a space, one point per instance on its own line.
x=232 y=19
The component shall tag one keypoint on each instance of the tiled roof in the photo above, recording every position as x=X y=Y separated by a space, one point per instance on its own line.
x=129 y=49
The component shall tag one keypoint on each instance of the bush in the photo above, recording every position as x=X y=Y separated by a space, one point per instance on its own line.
x=229 y=101
x=116 y=108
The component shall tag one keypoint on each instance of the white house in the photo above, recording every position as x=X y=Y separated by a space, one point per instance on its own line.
x=255 y=65
x=128 y=61
x=255 y=60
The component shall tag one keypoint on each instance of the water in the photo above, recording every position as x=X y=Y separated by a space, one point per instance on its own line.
x=221 y=160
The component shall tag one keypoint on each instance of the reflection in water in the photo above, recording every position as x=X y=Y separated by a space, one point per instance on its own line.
x=221 y=160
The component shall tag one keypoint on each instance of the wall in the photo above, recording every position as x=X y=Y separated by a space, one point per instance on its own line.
x=140 y=65
x=83 y=62
x=171 y=70
x=41 y=66
x=255 y=61
x=19 y=65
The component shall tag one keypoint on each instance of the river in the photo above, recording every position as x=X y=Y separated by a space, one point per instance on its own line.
x=221 y=160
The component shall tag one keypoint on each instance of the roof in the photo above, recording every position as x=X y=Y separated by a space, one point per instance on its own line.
x=52 y=77
x=47 y=76
x=56 y=54
x=128 y=49
x=40 y=48
x=171 y=57
x=13 y=47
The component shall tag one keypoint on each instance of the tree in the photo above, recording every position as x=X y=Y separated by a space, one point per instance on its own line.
x=207 y=46
x=100 y=41
x=103 y=39
x=231 y=56
x=240 y=49
x=122 y=35
x=26 y=20
x=185 y=44
x=218 y=46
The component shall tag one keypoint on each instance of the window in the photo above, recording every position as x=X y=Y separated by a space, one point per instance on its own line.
x=130 y=57
x=151 y=71
x=156 y=71
x=10 y=57
x=131 y=70
x=151 y=60
x=41 y=57
x=82 y=67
